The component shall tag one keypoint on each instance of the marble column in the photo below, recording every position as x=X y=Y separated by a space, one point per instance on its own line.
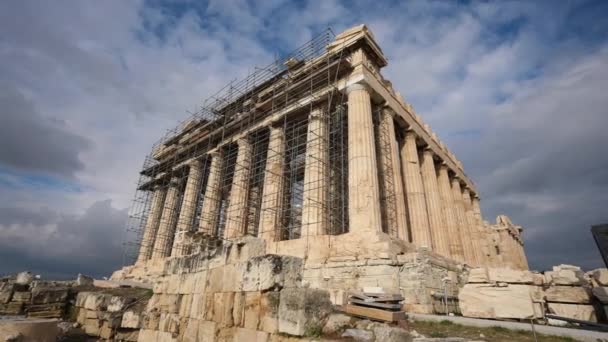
x=152 y=221
x=168 y=220
x=463 y=227
x=481 y=232
x=316 y=175
x=236 y=213
x=473 y=226
x=273 y=190
x=213 y=196
x=414 y=193
x=439 y=232
x=188 y=208
x=449 y=210
x=400 y=208
x=363 y=189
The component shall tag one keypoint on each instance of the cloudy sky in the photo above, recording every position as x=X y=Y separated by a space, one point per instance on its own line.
x=518 y=90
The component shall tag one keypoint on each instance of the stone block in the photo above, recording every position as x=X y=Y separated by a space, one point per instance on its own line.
x=359 y=335
x=185 y=305
x=478 y=275
x=601 y=293
x=196 y=308
x=146 y=335
x=208 y=305
x=6 y=294
x=576 y=311
x=238 y=309
x=165 y=337
x=568 y=294
x=81 y=316
x=250 y=335
x=207 y=331
x=187 y=284
x=510 y=276
x=222 y=309
x=600 y=275
x=571 y=277
x=118 y=303
x=91 y=313
x=81 y=298
x=189 y=331
x=112 y=319
x=127 y=335
x=11 y=308
x=169 y=322
x=106 y=331
x=150 y=320
x=336 y=323
x=215 y=277
x=251 y=317
x=165 y=303
x=272 y=271
x=24 y=278
x=131 y=320
x=303 y=311
x=511 y=302
x=22 y=296
x=269 y=312
x=83 y=280
x=46 y=295
x=97 y=301
x=91 y=327
x=200 y=282
x=173 y=284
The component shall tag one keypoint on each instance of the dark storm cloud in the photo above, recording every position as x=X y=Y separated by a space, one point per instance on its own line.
x=32 y=142
x=62 y=246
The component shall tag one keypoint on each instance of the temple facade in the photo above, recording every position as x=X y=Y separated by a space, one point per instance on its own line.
x=315 y=157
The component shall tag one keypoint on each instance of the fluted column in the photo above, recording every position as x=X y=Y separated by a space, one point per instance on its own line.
x=439 y=232
x=463 y=227
x=236 y=214
x=168 y=220
x=272 y=198
x=363 y=190
x=316 y=175
x=152 y=222
x=400 y=208
x=449 y=210
x=188 y=208
x=213 y=195
x=414 y=192
x=473 y=227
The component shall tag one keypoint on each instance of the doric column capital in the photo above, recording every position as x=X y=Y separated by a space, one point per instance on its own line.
x=358 y=86
x=196 y=162
x=175 y=181
x=443 y=166
x=243 y=141
x=410 y=135
x=428 y=151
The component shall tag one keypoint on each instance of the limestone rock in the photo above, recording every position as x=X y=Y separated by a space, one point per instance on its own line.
x=303 y=311
x=24 y=278
x=565 y=276
x=568 y=294
x=22 y=296
x=96 y=301
x=600 y=275
x=131 y=319
x=118 y=303
x=507 y=275
x=83 y=280
x=46 y=295
x=336 y=322
x=272 y=271
x=576 y=311
x=601 y=293
x=359 y=335
x=486 y=301
x=392 y=334
x=6 y=294
x=478 y=275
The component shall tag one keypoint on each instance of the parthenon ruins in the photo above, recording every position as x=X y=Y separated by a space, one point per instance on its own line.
x=318 y=157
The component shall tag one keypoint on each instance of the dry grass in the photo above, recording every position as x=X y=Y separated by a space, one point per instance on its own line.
x=494 y=334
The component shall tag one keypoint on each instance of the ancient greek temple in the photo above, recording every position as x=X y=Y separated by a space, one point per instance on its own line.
x=320 y=157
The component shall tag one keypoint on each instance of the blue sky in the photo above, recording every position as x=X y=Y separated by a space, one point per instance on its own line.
x=515 y=89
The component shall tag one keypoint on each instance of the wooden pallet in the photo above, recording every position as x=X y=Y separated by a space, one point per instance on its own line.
x=375 y=305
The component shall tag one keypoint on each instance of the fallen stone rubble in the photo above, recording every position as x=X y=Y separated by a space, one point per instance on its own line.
x=566 y=291
x=23 y=295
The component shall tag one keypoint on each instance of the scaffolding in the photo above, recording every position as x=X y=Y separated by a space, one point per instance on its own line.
x=238 y=115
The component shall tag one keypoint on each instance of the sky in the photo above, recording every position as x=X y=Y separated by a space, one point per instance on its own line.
x=516 y=89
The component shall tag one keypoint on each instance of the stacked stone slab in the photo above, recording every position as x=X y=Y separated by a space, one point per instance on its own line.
x=502 y=293
x=34 y=298
x=110 y=317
